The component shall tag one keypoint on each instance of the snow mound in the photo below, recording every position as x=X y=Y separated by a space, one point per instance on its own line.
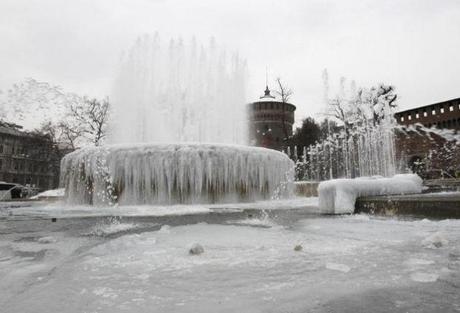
x=338 y=196
x=54 y=193
x=113 y=227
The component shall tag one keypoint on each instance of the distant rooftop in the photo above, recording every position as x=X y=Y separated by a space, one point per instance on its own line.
x=429 y=105
x=267 y=97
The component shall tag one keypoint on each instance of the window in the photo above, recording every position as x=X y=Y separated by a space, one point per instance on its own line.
x=402 y=118
x=433 y=112
x=417 y=115
x=451 y=108
x=409 y=117
x=425 y=114
x=442 y=110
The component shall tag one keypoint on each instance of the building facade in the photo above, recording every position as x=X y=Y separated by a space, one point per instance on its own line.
x=443 y=115
x=28 y=159
x=426 y=142
x=270 y=121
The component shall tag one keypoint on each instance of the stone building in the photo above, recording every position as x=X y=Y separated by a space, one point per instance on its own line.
x=28 y=159
x=270 y=121
x=426 y=142
x=440 y=115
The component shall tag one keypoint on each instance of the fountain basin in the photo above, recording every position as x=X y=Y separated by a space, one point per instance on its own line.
x=156 y=173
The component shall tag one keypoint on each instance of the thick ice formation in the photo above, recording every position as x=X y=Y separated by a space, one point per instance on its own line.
x=175 y=173
x=338 y=196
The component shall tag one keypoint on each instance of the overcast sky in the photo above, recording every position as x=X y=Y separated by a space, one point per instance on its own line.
x=413 y=44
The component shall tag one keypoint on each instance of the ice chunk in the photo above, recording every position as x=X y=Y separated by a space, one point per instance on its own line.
x=436 y=240
x=298 y=248
x=338 y=196
x=196 y=249
x=47 y=239
x=165 y=229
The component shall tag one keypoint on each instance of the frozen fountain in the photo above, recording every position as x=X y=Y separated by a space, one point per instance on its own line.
x=178 y=134
x=363 y=143
x=361 y=150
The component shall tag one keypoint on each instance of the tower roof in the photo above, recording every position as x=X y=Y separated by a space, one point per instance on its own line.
x=267 y=95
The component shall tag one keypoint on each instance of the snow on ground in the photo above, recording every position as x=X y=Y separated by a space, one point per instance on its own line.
x=338 y=196
x=353 y=263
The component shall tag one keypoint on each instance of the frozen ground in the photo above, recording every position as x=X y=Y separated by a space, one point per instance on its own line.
x=141 y=264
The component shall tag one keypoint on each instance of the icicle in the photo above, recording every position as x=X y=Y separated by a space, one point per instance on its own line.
x=175 y=173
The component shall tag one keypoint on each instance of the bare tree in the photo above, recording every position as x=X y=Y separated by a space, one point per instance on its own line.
x=72 y=119
x=283 y=91
x=68 y=134
x=62 y=134
x=89 y=120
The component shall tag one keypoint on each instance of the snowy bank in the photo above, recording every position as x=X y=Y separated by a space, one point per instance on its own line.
x=338 y=196
x=54 y=193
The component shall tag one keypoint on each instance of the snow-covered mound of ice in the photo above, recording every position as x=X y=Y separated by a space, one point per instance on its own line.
x=53 y=193
x=338 y=196
x=175 y=173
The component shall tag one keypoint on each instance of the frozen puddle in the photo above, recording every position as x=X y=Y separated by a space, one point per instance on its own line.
x=345 y=264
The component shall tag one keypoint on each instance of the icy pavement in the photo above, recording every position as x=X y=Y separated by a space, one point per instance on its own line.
x=345 y=264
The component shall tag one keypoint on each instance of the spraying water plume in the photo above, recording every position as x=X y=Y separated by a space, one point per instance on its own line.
x=178 y=133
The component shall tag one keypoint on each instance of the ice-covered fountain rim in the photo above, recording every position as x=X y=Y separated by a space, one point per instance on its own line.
x=160 y=146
